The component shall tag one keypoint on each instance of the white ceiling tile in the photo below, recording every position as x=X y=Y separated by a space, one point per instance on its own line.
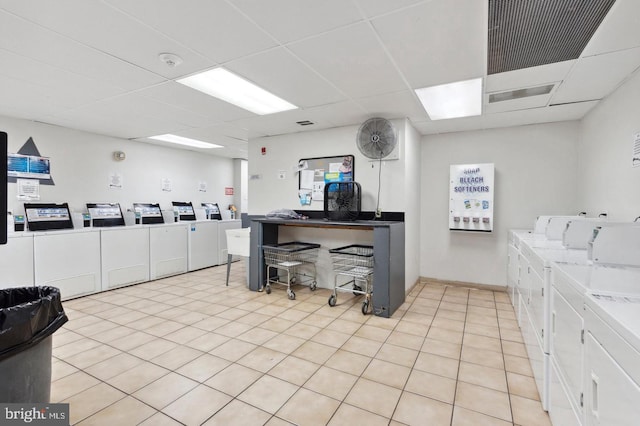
x=136 y=105
x=594 y=77
x=620 y=29
x=281 y=73
x=234 y=131
x=340 y=114
x=552 y=114
x=437 y=42
x=203 y=134
x=284 y=122
x=448 y=126
x=102 y=27
x=211 y=27
x=394 y=105
x=23 y=99
x=24 y=38
x=528 y=77
x=65 y=88
x=121 y=125
x=352 y=59
x=373 y=8
x=186 y=98
x=567 y=112
x=73 y=62
x=324 y=117
x=290 y=20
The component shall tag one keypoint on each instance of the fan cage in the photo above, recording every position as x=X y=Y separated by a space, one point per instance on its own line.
x=342 y=201
x=376 y=138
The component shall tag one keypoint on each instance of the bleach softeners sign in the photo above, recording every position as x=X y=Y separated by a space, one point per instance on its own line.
x=471 y=190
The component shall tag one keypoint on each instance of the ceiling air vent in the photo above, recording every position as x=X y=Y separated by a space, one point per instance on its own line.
x=529 y=33
x=305 y=123
x=520 y=93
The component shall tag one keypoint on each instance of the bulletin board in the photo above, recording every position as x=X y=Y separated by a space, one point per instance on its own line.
x=314 y=173
x=471 y=189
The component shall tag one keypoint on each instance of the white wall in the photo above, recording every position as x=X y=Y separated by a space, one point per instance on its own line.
x=399 y=192
x=284 y=151
x=535 y=173
x=412 y=191
x=607 y=180
x=240 y=185
x=82 y=162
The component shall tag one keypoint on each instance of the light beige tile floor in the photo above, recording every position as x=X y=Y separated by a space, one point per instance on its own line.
x=188 y=350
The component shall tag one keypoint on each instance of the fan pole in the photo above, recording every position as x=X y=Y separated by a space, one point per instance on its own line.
x=378 y=213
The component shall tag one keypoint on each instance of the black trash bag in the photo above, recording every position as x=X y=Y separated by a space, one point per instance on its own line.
x=27 y=316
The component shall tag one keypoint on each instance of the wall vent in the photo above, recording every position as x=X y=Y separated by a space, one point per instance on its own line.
x=520 y=93
x=529 y=33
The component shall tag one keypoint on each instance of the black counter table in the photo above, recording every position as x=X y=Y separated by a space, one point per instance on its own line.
x=388 y=255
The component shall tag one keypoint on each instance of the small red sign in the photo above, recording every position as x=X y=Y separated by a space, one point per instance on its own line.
x=228 y=191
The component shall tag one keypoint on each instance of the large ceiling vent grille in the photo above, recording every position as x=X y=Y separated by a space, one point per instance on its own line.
x=529 y=33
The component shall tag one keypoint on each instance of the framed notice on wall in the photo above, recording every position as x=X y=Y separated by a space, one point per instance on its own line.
x=314 y=173
x=471 y=189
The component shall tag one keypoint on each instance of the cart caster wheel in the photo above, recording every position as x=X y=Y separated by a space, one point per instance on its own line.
x=313 y=286
x=357 y=288
x=268 y=289
x=291 y=295
x=293 y=280
x=332 y=300
x=365 y=307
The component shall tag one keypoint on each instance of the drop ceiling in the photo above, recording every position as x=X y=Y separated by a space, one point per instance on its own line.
x=94 y=65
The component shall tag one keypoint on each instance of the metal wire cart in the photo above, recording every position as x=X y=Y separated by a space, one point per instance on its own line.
x=297 y=258
x=356 y=263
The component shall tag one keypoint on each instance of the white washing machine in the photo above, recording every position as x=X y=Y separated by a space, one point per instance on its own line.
x=612 y=348
x=569 y=284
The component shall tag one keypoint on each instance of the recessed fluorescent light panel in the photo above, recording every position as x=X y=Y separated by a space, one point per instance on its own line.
x=231 y=88
x=453 y=100
x=184 y=141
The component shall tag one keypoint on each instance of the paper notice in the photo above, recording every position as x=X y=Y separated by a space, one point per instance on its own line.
x=115 y=181
x=306 y=179
x=318 y=191
x=166 y=185
x=28 y=189
x=334 y=167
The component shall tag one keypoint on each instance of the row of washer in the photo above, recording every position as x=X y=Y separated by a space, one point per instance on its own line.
x=575 y=286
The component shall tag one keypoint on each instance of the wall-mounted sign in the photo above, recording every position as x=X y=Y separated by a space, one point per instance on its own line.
x=316 y=172
x=167 y=185
x=471 y=197
x=29 y=164
x=228 y=190
x=28 y=189
x=115 y=181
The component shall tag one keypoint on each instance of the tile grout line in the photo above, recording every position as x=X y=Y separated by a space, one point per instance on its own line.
x=248 y=301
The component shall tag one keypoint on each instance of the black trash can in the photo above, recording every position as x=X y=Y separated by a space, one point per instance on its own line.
x=28 y=318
